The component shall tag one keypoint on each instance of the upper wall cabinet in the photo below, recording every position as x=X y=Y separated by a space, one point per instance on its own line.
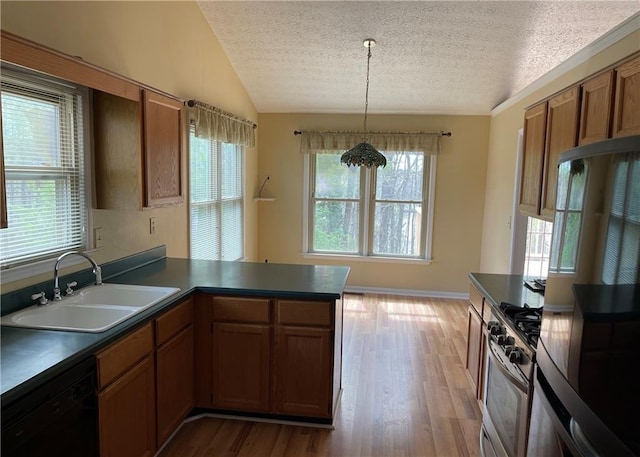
x=595 y=112
x=137 y=151
x=580 y=114
x=535 y=124
x=561 y=134
x=162 y=143
x=626 y=118
x=550 y=128
x=137 y=130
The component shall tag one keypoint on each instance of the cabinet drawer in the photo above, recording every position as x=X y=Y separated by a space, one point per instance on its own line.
x=296 y=312
x=476 y=299
x=123 y=354
x=171 y=322
x=238 y=309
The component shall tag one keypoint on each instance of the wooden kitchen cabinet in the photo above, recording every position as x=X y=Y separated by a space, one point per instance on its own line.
x=561 y=135
x=303 y=371
x=476 y=341
x=271 y=356
x=550 y=128
x=126 y=396
x=118 y=152
x=241 y=367
x=241 y=347
x=535 y=124
x=626 y=117
x=596 y=108
x=303 y=361
x=162 y=150
x=174 y=368
x=138 y=159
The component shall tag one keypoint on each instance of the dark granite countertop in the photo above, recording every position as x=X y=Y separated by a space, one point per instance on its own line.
x=28 y=357
x=498 y=288
x=608 y=302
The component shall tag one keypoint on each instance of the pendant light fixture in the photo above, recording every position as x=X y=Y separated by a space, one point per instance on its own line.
x=363 y=153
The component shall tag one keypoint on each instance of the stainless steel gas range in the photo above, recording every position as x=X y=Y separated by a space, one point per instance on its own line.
x=512 y=335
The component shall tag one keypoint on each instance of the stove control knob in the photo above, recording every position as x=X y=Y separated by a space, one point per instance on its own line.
x=495 y=328
x=515 y=355
x=505 y=340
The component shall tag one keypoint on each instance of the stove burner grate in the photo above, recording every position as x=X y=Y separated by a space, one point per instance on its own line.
x=525 y=320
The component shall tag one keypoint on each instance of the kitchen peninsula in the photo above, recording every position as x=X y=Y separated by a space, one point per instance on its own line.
x=262 y=340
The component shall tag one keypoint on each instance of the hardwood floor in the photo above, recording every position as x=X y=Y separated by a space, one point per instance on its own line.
x=405 y=392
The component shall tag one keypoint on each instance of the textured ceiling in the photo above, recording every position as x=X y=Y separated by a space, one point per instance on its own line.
x=431 y=57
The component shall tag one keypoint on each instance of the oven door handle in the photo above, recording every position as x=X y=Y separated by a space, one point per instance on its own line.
x=524 y=387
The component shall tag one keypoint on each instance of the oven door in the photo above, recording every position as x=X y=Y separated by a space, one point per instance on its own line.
x=506 y=405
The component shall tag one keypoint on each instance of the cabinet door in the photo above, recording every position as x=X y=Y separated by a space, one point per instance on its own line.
x=303 y=371
x=595 y=113
x=535 y=122
x=626 y=117
x=474 y=348
x=126 y=414
x=240 y=365
x=117 y=144
x=162 y=150
x=175 y=382
x=562 y=127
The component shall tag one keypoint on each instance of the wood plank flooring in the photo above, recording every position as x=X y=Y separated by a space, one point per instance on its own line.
x=405 y=392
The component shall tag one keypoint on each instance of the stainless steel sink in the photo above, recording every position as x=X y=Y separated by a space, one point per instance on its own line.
x=93 y=309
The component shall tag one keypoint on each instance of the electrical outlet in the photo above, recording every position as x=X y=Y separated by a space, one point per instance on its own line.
x=97 y=237
x=152 y=225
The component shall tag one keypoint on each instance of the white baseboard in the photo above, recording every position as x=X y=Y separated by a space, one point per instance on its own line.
x=407 y=292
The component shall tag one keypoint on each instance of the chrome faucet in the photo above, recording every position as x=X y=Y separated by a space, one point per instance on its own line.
x=96 y=271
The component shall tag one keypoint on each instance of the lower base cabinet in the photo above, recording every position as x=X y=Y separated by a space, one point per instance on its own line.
x=174 y=382
x=175 y=364
x=269 y=356
x=126 y=396
x=303 y=371
x=146 y=385
x=476 y=340
x=241 y=367
x=126 y=414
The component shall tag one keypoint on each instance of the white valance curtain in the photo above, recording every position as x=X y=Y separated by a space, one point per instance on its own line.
x=215 y=124
x=329 y=142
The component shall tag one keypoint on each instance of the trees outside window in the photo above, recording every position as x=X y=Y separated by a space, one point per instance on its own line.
x=383 y=212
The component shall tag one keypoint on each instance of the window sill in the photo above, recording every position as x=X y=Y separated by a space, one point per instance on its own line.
x=30 y=270
x=362 y=258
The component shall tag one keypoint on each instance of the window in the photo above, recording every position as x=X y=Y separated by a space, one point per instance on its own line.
x=537 y=251
x=621 y=253
x=394 y=222
x=217 y=201
x=572 y=179
x=44 y=153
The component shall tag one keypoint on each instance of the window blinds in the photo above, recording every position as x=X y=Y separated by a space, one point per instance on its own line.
x=217 y=199
x=621 y=256
x=43 y=151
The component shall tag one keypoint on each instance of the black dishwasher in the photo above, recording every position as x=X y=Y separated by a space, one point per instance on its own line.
x=55 y=420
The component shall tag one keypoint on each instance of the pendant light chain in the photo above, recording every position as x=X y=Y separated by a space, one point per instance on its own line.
x=366 y=94
x=364 y=154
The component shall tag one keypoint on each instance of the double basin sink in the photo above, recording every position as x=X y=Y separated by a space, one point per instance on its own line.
x=93 y=309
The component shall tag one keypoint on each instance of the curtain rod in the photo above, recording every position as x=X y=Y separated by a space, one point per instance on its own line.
x=300 y=132
x=192 y=103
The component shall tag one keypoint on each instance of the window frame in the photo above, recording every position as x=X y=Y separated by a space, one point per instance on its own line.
x=217 y=204
x=38 y=266
x=367 y=188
